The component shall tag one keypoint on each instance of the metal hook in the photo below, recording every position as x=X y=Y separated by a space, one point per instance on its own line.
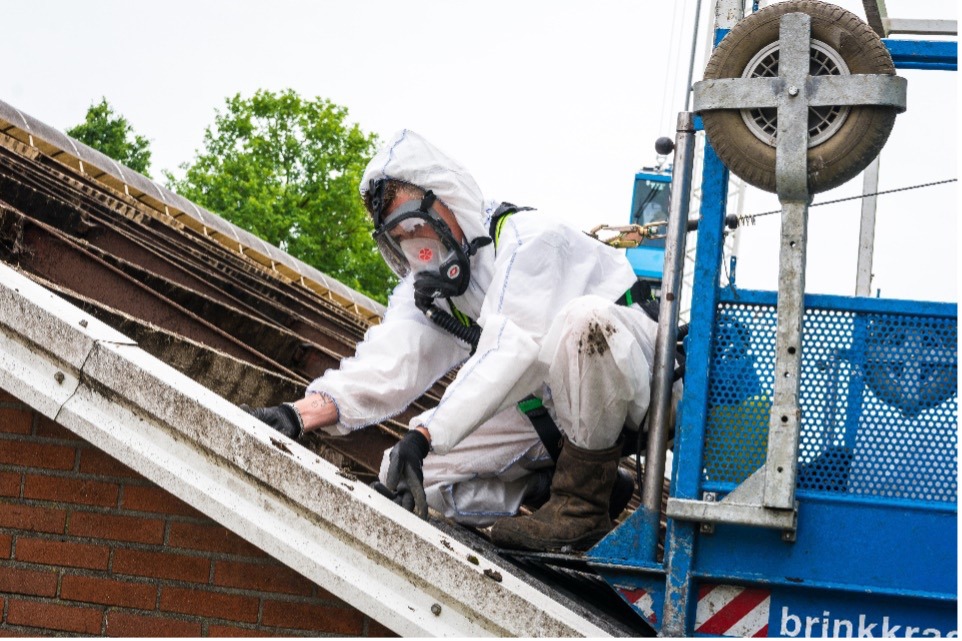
x=629 y=236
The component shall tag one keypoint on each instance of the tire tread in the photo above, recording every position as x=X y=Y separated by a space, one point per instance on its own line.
x=832 y=162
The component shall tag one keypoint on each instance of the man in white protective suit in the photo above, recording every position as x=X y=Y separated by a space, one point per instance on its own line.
x=525 y=305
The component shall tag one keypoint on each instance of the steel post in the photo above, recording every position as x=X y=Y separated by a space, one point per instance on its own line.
x=659 y=409
x=792 y=183
x=866 y=232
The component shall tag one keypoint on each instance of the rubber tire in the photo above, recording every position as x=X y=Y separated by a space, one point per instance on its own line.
x=858 y=140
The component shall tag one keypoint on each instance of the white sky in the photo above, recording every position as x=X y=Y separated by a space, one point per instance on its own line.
x=550 y=104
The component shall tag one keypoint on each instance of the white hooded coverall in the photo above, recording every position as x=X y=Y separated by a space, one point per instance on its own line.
x=545 y=301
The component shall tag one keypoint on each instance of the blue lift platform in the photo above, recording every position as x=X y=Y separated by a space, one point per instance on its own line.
x=871 y=545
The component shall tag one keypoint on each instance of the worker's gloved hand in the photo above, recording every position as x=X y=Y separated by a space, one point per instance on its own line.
x=405 y=475
x=403 y=497
x=284 y=418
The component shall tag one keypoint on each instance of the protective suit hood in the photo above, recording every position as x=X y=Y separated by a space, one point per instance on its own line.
x=409 y=158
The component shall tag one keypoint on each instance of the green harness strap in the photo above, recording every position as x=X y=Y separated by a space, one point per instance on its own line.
x=499 y=225
x=462 y=318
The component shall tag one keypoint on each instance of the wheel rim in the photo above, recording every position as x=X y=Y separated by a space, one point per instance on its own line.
x=823 y=122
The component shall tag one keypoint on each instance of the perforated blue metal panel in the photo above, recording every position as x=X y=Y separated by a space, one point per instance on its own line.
x=878 y=398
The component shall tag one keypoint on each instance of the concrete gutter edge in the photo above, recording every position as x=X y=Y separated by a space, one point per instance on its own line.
x=295 y=506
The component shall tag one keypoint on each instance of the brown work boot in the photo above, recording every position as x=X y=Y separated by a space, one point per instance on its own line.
x=576 y=515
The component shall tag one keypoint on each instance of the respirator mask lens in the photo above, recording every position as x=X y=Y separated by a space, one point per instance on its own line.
x=393 y=255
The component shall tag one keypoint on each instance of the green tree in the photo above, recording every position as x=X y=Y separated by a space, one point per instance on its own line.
x=111 y=134
x=287 y=170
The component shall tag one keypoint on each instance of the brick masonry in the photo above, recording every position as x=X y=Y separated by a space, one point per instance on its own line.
x=90 y=548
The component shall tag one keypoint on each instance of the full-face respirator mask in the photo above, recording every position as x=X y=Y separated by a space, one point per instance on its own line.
x=415 y=239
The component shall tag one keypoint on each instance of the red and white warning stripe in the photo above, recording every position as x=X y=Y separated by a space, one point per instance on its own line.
x=733 y=611
x=641 y=600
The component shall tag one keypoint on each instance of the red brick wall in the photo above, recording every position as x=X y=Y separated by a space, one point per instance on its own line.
x=90 y=547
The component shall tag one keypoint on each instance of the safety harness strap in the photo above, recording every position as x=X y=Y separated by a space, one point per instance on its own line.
x=532 y=407
x=500 y=217
x=461 y=317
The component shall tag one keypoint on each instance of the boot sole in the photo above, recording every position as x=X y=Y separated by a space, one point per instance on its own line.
x=553 y=545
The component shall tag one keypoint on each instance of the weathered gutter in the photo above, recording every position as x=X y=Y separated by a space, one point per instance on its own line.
x=295 y=506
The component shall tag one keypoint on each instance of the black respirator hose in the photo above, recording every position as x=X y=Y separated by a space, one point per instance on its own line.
x=470 y=335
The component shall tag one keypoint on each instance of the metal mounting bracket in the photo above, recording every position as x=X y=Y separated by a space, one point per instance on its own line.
x=743 y=506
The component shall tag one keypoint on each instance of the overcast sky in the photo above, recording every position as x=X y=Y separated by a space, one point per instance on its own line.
x=549 y=104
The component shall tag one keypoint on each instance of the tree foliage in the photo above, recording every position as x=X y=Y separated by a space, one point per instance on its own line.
x=112 y=135
x=287 y=170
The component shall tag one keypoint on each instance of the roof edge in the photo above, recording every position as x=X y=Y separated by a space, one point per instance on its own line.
x=269 y=490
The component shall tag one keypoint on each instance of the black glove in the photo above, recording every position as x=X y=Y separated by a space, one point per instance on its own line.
x=403 y=497
x=284 y=418
x=405 y=476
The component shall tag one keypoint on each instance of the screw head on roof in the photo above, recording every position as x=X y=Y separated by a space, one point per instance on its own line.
x=58 y=377
x=436 y=610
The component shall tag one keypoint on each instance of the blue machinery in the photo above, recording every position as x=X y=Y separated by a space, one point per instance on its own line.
x=649 y=204
x=866 y=543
